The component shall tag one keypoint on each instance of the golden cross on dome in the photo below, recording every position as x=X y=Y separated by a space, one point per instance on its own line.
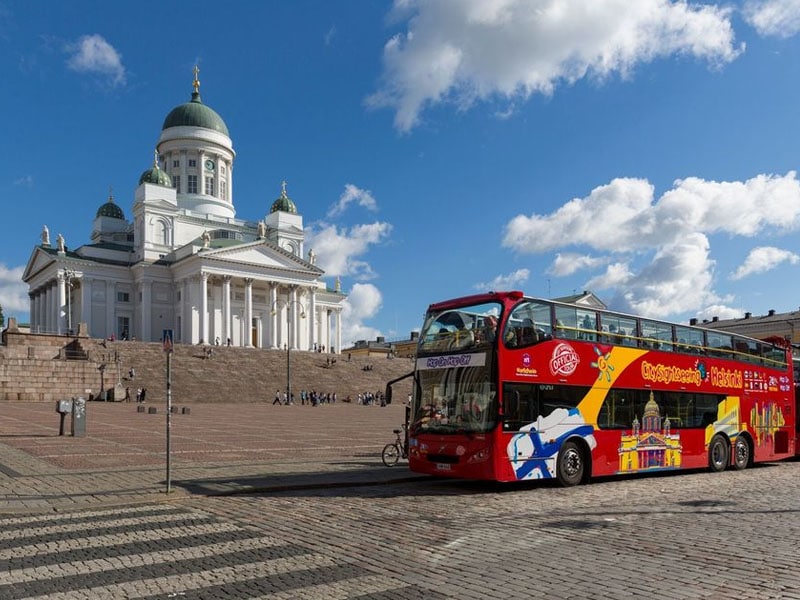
x=155 y=157
x=196 y=82
x=283 y=187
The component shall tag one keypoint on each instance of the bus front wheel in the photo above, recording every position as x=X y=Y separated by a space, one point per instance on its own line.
x=718 y=454
x=570 y=465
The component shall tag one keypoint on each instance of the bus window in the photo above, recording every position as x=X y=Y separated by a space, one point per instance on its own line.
x=720 y=344
x=655 y=335
x=587 y=324
x=618 y=330
x=524 y=403
x=528 y=324
x=689 y=340
x=617 y=410
x=566 y=322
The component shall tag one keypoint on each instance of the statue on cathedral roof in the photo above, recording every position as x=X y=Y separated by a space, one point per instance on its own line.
x=60 y=242
x=45 y=237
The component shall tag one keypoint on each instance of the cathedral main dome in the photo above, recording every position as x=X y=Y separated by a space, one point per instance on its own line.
x=195 y=114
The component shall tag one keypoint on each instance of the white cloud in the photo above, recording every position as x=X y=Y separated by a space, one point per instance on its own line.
x=780 y=18
x=615 y=275
x=678 y=279
x=24 y=181
x=570 y=262
x=363 y=302
x=94 y=55
x=660 y=248
x=477 y=50
x=13 y=292
x=764 y=258
x=505 y=282
x=338 y=250
x=352 y=194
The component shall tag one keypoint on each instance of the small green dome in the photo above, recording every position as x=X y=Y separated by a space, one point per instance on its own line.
x=284 y=203
x=109 y=209
x=156 y=176
x=195 y=114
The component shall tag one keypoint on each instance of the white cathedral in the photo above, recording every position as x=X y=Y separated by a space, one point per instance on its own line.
x=186 y=263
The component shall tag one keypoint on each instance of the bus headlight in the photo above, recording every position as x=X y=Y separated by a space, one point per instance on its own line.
x=481 y=455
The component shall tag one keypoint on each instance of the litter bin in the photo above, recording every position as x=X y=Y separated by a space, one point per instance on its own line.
x=79 y=417
x=63 y=408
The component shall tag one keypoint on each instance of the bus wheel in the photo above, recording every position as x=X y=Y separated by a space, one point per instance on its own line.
x=570 y=465
x=718 y=454
x=741 y=453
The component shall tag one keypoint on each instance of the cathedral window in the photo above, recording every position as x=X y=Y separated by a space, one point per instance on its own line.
x=223 y=190
x=176 y=164
x=209 y=186
x=176 y=180
x=192 y=162
x=191 y=188
x=123 y=297
x=161 y=233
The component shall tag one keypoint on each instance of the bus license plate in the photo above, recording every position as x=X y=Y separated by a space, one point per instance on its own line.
x=442 y=467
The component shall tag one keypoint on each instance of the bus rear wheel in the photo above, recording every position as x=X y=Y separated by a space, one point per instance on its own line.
x=718 y=454
x=741 y=453
x=570 y=465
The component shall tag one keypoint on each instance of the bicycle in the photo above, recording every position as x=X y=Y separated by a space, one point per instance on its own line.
x=397 y=449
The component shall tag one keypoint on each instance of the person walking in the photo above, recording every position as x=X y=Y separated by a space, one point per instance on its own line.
x=277 y=398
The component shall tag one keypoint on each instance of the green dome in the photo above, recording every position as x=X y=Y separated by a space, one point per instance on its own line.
x=156 y=176
x=195 y=114
x=284 y=203
x=109 y=209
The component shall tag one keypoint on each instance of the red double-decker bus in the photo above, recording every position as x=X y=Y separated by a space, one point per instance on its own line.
x=508 y=387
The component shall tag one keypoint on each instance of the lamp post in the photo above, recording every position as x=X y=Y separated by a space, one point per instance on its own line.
x=289 y=323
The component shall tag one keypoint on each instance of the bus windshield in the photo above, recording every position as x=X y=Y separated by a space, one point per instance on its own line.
x=462 y=328
x=455 y=391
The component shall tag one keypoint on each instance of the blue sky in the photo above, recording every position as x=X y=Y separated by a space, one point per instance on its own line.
x=642 y=150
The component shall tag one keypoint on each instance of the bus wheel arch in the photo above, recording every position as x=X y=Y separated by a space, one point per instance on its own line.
x=719 y=451
x=742 y=452
x=574 y=465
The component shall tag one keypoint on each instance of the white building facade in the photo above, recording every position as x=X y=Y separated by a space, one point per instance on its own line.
x=185 y=263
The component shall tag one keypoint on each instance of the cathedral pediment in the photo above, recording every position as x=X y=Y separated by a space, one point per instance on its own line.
x=39 y=260
x=261 y=254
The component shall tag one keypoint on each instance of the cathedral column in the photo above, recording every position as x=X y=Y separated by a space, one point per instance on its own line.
x=36 y=320
x=32 y=309
x=338 y=348
x=216 y=175
x=204 y=308
x=86 y=303
x=111 y=302
x=147 y=289
x=186 y=313
x=292 y=316
x=226 y=309
x=273 y=320
x=312 y=318
x=47 y=307
x=184 y=172
x=248 y=312
x=229 y=179
x=62 y=303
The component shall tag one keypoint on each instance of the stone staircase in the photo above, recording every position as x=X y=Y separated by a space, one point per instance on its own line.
x=37 y=369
